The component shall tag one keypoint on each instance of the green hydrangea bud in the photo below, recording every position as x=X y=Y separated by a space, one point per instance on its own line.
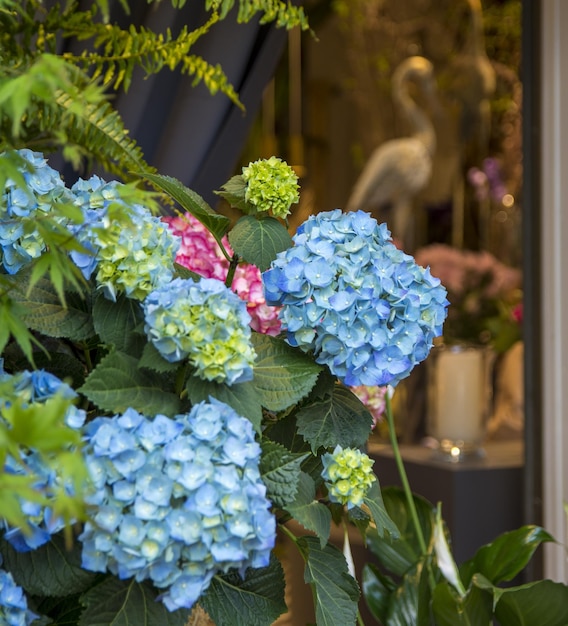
x=348 y=475
x=271 y=185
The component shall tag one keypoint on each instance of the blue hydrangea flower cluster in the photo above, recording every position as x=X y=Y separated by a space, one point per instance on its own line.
x=364 y=307
x=131 y=256
x=205 y=321
x=176 y=500
x=20 y=242
x=348 y=475
x=13 y=603
x=30 y=387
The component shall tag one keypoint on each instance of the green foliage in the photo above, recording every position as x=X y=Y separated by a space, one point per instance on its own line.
x=282 y=375
x=336 y=592
x=409 y=587
x=339 y=418
x=115 y=601
x=50 y=100
x=257 y=600
x=258 y=241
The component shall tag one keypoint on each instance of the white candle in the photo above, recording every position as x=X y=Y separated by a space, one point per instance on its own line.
x=459 y=398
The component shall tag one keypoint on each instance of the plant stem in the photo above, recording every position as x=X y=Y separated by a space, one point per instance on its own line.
x=403 y=476
x=231 y=271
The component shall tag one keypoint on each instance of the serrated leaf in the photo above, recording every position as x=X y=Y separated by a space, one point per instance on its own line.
x=117 y=602
x=50 y=570
x=310 y=513
x=336 y=419
x=336 y=592
x=45 y=313
x=152 y=359
x=115 y=322
x=280 y=472
x=399 y=555
x=117 y=383
x=258 y=600
x=242 y=397
x=234 y=192
x=282 y=374
x=192 y=202
x=376 y=505
x=258 y=241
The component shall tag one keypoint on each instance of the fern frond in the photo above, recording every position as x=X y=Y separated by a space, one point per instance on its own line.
x=99 y=130
x=118 y=51
x=285 y=14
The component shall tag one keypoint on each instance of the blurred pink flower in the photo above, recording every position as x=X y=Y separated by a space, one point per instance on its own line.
x=481 y=291
x=373 y=397
x=200 y=253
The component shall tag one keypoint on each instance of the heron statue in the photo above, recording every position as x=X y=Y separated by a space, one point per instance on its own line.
x=400 y=168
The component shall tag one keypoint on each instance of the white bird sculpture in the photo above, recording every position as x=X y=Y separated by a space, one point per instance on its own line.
x=400 y=168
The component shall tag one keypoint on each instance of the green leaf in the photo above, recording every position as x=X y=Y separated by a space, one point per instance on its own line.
x=534 y=604
x=409 y=604
x=310 y=513
x=336 y=592
x=383 y=522
x=399 y=555
x=282 y=374
x=337 y=419
x=117 y=383
x=192 y=202
x=51 y=570
x=242 y=397
x=504 y=558
x=452 y=610
x=45 y=312
x=280 y=472
x=115 y=322
x=127 y=603
x=234 y=192
x=152 y=359
x=258 y=241
x=63 y=611
x=258 y=600
x=377 y=589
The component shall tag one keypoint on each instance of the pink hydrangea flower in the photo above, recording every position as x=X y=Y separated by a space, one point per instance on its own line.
x=373 y=397
x=200 y=253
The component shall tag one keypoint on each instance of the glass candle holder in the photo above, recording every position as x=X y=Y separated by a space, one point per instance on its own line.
x=459 y=399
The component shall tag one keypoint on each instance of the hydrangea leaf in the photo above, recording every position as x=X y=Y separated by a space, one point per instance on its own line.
x=117 y=383
x=65 y=366
x=282 y=375
x=51 y=570
x=337 y=419
x=125 y=603
x=336 y=592
x=308 y=511
x=258 y=241
x=258 y=600
x=234 y=192
x=280 y=472
x=115 y=322
x=47 y=314
x=153 y=360
x=383 y=522
x=191 y=202
x=242 y=397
